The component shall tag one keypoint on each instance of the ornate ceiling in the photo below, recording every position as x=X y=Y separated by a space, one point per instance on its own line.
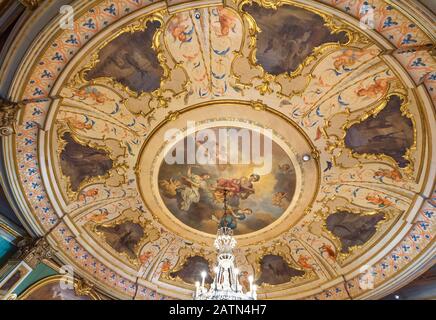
x=86 y=162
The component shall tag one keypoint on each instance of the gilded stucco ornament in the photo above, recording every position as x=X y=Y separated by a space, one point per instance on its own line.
x=173 y=82
x=267 y=83
x=114 y=149
x=121 y=241
x=8 y=117
x=36 y=252
x=340 y=204
x=184 y=254
x=281 y=249
x=83 y=287
x=73 y=288
x=310 y=109
x=336 y=141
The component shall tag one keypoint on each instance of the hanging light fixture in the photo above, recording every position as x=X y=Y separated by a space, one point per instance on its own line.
x=225 y=285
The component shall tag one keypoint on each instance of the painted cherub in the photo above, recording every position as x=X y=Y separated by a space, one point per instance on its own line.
x=177 y=27
x=90 y=193
x=379 y=86
x=79 y=124
x=145 y=257
x=227 y=22
x=169 y=187
x=166 y=265
x=99 y=217
x=393 y=174
x=379 y=201
x=280 y=199
x=348 y=57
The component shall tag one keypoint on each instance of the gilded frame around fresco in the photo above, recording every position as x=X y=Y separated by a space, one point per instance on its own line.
x=255 y=105
x=80 y=287
x=185 y=254
x=21 y=265
x=63 y=128
x=268 y=79
x=373 y=112
x=277 y=248
x=157 y=97
x=357 y=210
x=134 y=217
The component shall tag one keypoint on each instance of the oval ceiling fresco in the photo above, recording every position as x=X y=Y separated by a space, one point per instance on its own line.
x=255 y=195
x=345 y=106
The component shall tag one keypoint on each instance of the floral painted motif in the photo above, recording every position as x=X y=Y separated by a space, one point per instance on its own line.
x=204 y=41
x=345 y=81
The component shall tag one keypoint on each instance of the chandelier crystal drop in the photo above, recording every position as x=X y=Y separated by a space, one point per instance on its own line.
x=225 y=285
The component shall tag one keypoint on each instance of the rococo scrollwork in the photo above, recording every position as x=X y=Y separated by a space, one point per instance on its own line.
x=8 y=116
x=350 y=141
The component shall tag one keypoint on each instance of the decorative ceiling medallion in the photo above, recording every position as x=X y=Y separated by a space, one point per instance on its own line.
x=350 y=138
x=256 y=173
x=267 y=193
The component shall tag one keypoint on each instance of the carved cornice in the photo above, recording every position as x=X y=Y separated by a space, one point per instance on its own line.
x=36 y=252
x=83 y=287
x=8 y=117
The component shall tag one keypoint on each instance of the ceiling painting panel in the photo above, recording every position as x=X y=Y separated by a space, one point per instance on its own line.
x=320 y=85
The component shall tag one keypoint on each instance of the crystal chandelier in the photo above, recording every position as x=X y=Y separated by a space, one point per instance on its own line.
x=225 y=285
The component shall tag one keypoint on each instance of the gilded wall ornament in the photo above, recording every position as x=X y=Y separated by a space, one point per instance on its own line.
x=36 y=252
x=8 y=117
x=303 y=100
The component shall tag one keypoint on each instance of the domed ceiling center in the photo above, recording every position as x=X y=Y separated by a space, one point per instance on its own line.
x=205 y=157
x=140 y=120
x=255 y=195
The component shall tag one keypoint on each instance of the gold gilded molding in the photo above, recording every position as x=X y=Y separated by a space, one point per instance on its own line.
x=268 y=80
x=65 y=127
x=340 y=143
x=35 y=252
x=151 y=233
x=347 y=206
x=206 y=240
x=79 y=79
x=256 y=107
x=281 y=249
x=158 y=98
x=8 y=117
x=84 y=288
x=81 y=287
x=9 y=230
x=31 y=4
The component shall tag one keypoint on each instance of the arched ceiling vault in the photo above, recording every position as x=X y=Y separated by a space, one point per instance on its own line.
x=351 y=83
